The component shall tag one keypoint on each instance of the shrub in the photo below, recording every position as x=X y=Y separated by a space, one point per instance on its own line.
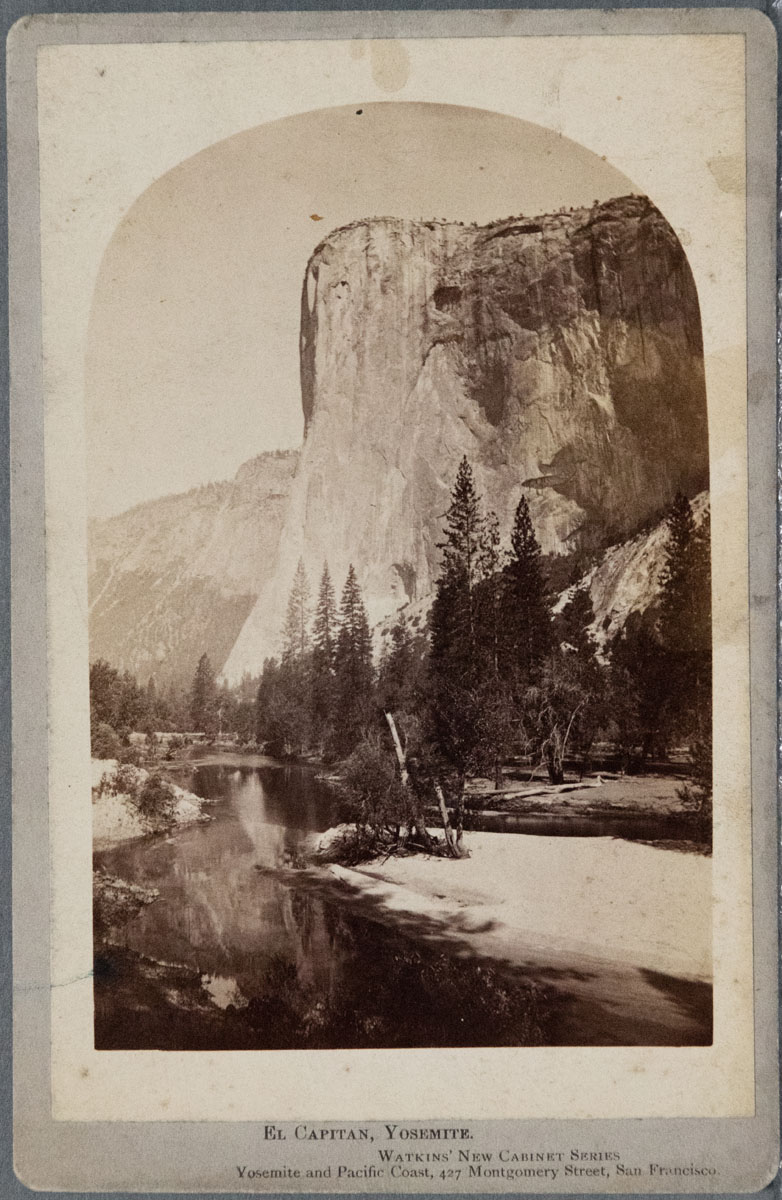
x=131 y=755
x=156 y=801
x=172 y=747
x=151 y=796
x=124 y=781
x=376 y=801
x=104 y=741
x=697 y=795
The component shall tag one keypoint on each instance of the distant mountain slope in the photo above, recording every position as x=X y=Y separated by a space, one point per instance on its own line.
x=178 y=576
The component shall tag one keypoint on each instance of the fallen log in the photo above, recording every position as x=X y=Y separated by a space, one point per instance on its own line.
x=548 y=789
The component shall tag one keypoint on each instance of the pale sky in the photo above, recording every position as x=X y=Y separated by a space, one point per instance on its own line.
x=192 y=352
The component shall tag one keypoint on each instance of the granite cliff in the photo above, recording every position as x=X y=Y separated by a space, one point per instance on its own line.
x=562 y=354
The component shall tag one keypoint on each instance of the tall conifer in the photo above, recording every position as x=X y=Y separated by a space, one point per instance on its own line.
x=489 y=598
x=458 y=663
x=453 y=615
x=685 y=622
x=527 y=623
x=400 y=668
x=324 y=628
x=295 y=637
x=203 y=697
x=324 y=644
x=353 y=670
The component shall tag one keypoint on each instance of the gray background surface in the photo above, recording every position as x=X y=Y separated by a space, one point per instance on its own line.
x=29 y=718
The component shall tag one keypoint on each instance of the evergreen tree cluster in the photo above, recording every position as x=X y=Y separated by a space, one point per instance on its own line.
x=660 y=664
x=509 y=676
x=119 y=706
x=491 y=630
x=319 y=696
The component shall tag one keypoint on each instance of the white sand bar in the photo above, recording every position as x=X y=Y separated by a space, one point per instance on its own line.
x=520 y=897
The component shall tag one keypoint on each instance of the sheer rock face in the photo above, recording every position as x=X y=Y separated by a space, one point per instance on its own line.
x=561 y=354
x=178 y=576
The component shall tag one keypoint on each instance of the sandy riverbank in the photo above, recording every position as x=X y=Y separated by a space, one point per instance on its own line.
x=115 y=817
x=526 y=899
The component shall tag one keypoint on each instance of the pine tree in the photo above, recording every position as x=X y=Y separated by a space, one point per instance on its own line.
x=675 y=579
x=353 y=670
x=324 y=638
x=462 y=682
x=132 y=708
x=639 y=688
x=401 y=667
x=685 y=608
x=685 y=633
x=151 y=708
x=463 y=551
x=527 y=619
x=104 y=693
x=453 y=615
x=203 y=697
x=324 y=629
x=285 y=712
x=295 y=634
x=264 y=702
x=493 y=698
x=490 y=596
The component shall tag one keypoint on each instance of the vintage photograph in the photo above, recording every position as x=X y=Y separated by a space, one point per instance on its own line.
x=393 y=599
x=400 y=624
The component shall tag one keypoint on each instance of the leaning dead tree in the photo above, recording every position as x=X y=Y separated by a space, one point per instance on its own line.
x=453 y=840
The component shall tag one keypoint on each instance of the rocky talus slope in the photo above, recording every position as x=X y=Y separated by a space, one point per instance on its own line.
x=625 y=578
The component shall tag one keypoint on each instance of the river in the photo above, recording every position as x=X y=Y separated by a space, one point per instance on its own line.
x=246 y=946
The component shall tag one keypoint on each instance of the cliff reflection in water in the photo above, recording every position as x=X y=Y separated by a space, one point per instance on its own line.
x=240 y=951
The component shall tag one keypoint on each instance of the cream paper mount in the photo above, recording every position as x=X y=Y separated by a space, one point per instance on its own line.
x=393 y=527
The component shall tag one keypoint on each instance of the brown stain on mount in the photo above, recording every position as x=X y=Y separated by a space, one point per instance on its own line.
x=390 y=64
x=728 y=170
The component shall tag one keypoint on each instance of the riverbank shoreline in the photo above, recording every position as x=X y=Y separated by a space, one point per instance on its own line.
x=523 y=898
x=317 y=956
x=117 y=819
x=643 y=808
x=226 y=758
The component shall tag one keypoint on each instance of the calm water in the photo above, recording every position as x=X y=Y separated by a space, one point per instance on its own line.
x=220 y=908
x=244 y=949
x=641 y=827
